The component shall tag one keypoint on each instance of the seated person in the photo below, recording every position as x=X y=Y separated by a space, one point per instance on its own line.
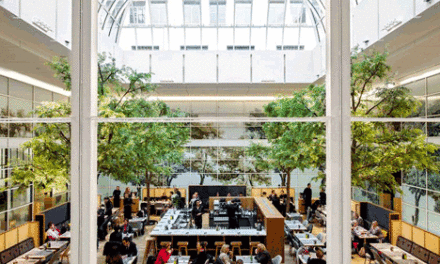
x=202 y=256
x=52 y=232
x=164 y=254
x=142 y=212
x=225 y=255
x=375 y=230
x=318 y=259
x=263 y=256
x=129 y=249
x=112 y=251
x=292 y=206
x=116 y=235
x=164 y=196
x=126 y=228
x=358 y=219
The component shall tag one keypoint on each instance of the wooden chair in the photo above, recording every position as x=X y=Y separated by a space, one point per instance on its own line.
x=236 y=245
x=148 y=248
x=183 y=245
x=55 y=257
x=65 y=254
x=218 y=247
x=252 y=246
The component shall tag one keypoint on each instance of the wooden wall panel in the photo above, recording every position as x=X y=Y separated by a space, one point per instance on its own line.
x=418 y=236
x=395 y=230
x=356 y=207
x=407 y=230
x=11 y=238
x=2 y=242
x=23 y=232
x=398 y=204
x=432 y=242
x=258 y=191
x=385 y=200
x=34 y=232
x=158 y=192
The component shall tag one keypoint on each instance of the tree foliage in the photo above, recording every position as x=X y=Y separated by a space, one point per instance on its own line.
x=125 y=150
x=378 y=150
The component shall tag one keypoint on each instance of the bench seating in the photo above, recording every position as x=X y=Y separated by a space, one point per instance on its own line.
x=418 y=251
x=13 y=252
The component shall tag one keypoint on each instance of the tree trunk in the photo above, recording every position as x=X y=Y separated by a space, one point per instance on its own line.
x=147 y=181
x=283 y=179
x=250 y=181
x=417 y=202
x=288 y=193
x=202 y=179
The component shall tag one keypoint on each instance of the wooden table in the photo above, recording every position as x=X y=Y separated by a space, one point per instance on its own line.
x=362 y=233
x=37 y=253
x=247 y=259
x=24 y=261
x=182 y=259
x=294 y=225
x=396 y=255
x=65 y=236
x=57 y=245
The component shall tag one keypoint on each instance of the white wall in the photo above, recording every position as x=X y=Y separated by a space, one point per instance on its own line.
x=55 y=14
x=227 y=66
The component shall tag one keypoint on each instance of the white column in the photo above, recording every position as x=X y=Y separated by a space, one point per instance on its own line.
x=338 y=132
x=84 y=131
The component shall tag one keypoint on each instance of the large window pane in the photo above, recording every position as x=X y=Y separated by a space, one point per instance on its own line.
x=18 y=199
x=433 y=84
x=414 y=216
x=20 y=90
x=3 y=201
x=433 y=220
x=434 y=201
x=3 y=85
x=3 y=226
x=414 y=196
x=20 y=216
x=433 y=105
x=43 y=95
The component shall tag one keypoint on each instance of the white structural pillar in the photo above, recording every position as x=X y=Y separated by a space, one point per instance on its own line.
x=338 y=132
x=84 y=131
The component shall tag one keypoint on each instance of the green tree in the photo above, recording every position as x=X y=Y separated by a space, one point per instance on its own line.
x=122 y=92
x=378 y=150
x=296 y=145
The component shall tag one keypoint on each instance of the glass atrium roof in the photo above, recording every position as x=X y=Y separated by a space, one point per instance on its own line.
x=213 y=24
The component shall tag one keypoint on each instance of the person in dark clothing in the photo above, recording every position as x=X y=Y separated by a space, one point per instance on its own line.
x=318 y=259
x=262 y=255
x=202 y=256
x=197 y=213
x=126 y=227
x=179 y=194
x=116 y=235
x=292 y=208
x=276 y=202
x=129 y=249
x=127 y=205
x=322 y=197
x=116 y=197
x=307 y=196
x=231 y=209
x=108 y=206
x=112 y=251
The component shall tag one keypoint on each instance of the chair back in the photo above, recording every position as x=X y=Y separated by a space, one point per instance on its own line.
x=319 y=236
x=377 y=257
x=55 y=257
x=277 y=260
x=305 y=223
x=310 y=228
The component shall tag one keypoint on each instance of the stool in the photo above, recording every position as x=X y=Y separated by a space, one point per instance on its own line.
x=203 y=243
x=218 y=246
x=252 y=246
x=236 y=245
x=165 y=243
x=183 y=245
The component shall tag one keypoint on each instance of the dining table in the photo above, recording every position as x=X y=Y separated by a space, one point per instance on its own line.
x=294 y=226
x=247 y=259
x=181 y=259
x=395 y=254
x=65 y=236
x=57 y=245
x=309 y=240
